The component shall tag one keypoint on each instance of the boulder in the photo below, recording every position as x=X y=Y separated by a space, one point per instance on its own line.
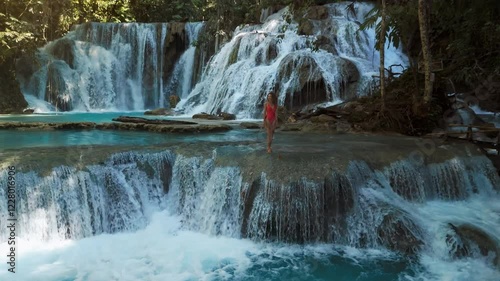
x=227 y=116
x=306 y=27
x=206 y=116
x=303 y=71
x=350 y=70
x=470 y=241
x=28 y=111
x=398 y=232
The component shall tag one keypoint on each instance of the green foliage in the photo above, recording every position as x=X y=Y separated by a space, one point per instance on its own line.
x=402 y=21
x=164 y=11
x=466 y=35
x=14 y=35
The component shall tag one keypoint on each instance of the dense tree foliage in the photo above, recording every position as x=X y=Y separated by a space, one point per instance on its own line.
x=464 y=35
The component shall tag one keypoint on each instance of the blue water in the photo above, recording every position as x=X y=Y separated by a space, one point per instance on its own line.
x=73 y=117
x=29 y=139
x=14 y=139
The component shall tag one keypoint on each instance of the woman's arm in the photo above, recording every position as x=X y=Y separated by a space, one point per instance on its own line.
x=265 y=111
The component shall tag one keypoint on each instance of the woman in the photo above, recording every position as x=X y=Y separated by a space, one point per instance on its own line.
x=270 y=118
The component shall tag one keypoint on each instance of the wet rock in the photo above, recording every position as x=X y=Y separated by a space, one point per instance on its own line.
x=123 y=123
x=206 y=116
x=176 y=43
x=399 y=233
x=158 y=111
x=272 y=50
x=28 y=111
x=56 y=90
x=297 y=212
x=73 y=126
x=47 y=126
x=129 y=119
x=227 y=116
x=165 y=128
x=351 y=71
x=306 y=27
x=303 y=71
x=470 y=241
x=63 y=49
x=250 y=125
x=324 y=43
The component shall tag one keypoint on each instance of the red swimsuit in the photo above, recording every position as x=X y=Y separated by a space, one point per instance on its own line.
x=271 y=113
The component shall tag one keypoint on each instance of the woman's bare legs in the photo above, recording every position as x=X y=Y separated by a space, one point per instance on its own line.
x=270 y=134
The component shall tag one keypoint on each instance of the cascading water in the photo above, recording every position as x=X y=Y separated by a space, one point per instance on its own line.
x=436 y=211
x=112 y=67
x=181 y=81
x=337 y=61
x=72 y=203
x=115 y=67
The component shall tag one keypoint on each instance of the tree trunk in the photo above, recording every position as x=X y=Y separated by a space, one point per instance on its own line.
x=423 y=20
x=383 y=27
x=217 y=34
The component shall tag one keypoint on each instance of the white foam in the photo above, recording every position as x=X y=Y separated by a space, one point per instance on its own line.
x=162 y=251
x=481 y=211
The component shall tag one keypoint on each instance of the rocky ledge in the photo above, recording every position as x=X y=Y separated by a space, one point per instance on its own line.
x=125 y=123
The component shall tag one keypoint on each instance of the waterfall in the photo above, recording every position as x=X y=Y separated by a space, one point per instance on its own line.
x=111 y=66
x=349 y=207
x=67 y=202
x=334 y=61
x=181 y=81
x=392 y=207
x=134 y=66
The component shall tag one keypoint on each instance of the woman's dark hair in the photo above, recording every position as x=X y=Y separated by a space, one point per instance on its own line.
x=273 y=96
